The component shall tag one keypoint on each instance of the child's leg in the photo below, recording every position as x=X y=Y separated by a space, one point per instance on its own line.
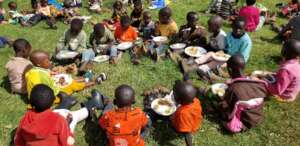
x=88 y=55
x=78 y=116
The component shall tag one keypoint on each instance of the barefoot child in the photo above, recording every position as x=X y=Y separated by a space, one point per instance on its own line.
x=17 y=66
x=118 y=122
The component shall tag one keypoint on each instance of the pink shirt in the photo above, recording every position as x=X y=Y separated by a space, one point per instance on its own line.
x=287 y=84
x=251 y=14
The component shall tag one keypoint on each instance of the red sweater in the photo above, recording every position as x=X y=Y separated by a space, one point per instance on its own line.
x=43 y=129
x=251 y=14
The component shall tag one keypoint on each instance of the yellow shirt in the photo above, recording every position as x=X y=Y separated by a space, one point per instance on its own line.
x=167 y=29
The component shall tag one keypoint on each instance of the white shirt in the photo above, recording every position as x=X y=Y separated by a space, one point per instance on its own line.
x=218 y=41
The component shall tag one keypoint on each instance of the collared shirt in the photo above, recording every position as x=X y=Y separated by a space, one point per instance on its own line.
x=72 y=43
x=16 y=68
x=242 y=45
x=287 y=84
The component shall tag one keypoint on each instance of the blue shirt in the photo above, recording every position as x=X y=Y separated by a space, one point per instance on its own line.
x=240 y=45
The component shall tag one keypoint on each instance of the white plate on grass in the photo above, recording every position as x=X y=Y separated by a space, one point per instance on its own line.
x=219 y=89
x=178 y=46
x=62 y=80
x=163 y=106
x=125 y=45
x=101 y=58
x=160 y=39
x=195 y=51
x=66 y=54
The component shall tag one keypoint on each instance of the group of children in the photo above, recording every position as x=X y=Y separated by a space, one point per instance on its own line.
x=32 y=73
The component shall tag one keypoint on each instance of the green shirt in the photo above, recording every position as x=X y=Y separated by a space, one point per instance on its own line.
x=72 y=43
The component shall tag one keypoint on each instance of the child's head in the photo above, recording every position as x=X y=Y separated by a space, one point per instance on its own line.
x=76 y=27
x=215 y=23
x=236 y=65
x=250 y=2
x=41 y=97
x=41 y=59
x=125 y=22
x=67 y=4
x=165 y=15
x=184 y=92
x=147 y=17
x=124 y=96
x=295 y=1
x=22 y=48
x=291 y=49
x=192 y=18
x=99 y=30
x=118 y=5
x=138 y=6
x=238 y=27
x=12 y=5
x=44 y=3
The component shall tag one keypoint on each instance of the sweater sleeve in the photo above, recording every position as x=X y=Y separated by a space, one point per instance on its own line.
x=283 y=80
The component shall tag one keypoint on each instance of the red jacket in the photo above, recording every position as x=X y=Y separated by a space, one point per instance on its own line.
x=43 y=129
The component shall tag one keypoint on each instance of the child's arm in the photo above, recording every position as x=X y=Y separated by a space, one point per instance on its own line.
x=188 y=137
x=283 y=80
x=246 y=49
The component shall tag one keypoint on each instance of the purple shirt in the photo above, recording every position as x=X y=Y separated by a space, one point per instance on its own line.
x=287 y=84
x=251 y=14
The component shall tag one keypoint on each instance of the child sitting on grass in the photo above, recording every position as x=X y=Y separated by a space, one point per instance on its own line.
x=147 y=27
x=2 y=13
x=123 y=125
x=119 y=10
x=136 y=14
x=164 y=27
x=217 y=39
x=241 y=107
x=17 y=66
x=46 y=12
x=43 y=126
x=291 y=30
x=291 y=9
x=287 y=85
x=126 y=33
x=16 y=17
x=102 y=40
x=188 y=117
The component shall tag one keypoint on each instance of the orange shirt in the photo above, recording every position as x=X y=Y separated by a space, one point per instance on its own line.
x=187 y=118
x=124 y=127
x=129 y=35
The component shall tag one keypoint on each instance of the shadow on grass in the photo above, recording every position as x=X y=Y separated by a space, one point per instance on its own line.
x=163 y=133
x=94 y=136
x=12 y=137
x=6 y=85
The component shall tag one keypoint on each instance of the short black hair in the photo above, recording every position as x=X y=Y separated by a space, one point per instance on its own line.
x=190 y=15
x=124 y=96
x=20 y=45
x=184 y=92
x=250 y=2
x=166 y=11
x=125 y=20
x=76 y=24
x=12 y=5
x=291 y=49
x=41 y=97
x=237 y=61
x=239 y=20
x=99 y=28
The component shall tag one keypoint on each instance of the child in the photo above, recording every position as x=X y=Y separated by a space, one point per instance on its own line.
x=16 y=17
x=118 y=122
x=41 y=74
x=102 y=40
x=2 y=13
x=188 y=117
x=291 y=9
x=95 y=5
x=226 y=9
x=47 y=12
x=164 y=27
x=69 y=12
x=214 y=6
x=136 y=14
x=251 y=14
x=118 y=11
x=192 y=33
x=147 y=27
x=17 y=66
x=126 y=33
x=289 y=31
x=287 y=85
x=217 y=39
x=242 y=105
x=74 y=3
x=42 y=126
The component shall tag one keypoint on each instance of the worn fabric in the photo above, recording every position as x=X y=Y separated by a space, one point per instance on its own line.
x=120 y=129
x=251 y=14
x=287 y=84
x=147 y=30
x=188 y=118
x=242 y=45
x=43 y=129
x=192 y=35
x=107 y=38
x=16 y=68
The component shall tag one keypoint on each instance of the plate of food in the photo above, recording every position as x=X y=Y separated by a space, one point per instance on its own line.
x=160 y=39
x=220 y=56
x=219 y=89
x=178 y=46
x=125 y=45
x=163 y=106
x=66 y=54
x=101 y=58
x=195 y=51
x=62 y=80
x=260 y=73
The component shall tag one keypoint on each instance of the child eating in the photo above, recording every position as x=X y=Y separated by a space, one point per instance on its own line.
x=118 y=122
x=17 y=66
x=147 y=27
x=188 y=117
x=218 y=35
x=287 y=85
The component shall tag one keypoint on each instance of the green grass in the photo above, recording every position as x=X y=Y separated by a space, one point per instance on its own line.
x=282 y=121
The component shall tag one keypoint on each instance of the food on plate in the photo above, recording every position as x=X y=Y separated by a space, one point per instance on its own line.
x=164 y=103
x=193 y=50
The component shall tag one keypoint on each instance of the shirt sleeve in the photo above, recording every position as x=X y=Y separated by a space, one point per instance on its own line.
x=65 y=136
x=18 y=140
x=283 y=80
x=246 y=48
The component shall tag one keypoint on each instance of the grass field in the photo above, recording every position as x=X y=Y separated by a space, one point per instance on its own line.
x=282 y=121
